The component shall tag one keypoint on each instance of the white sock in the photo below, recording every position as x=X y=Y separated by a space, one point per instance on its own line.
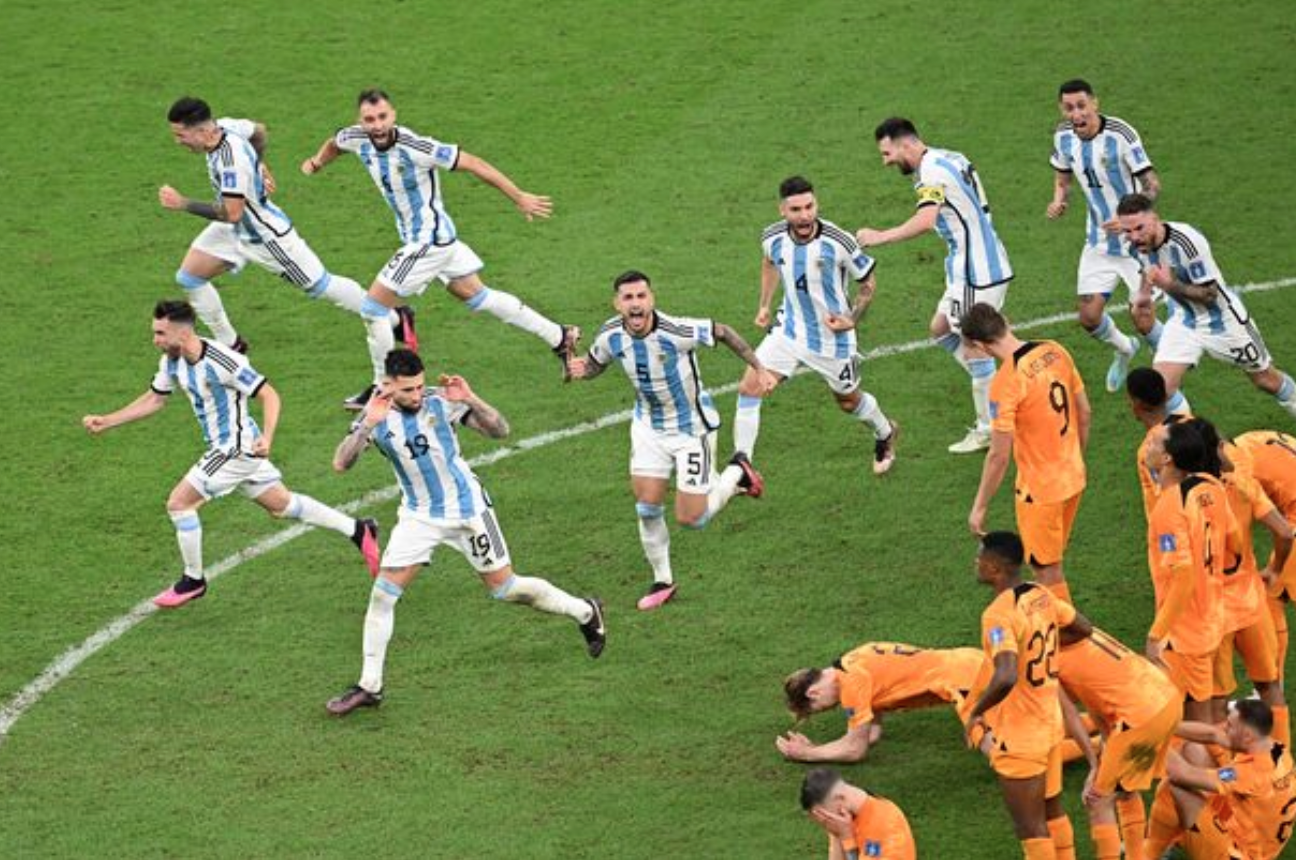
x=1153 y=337
x=1108 y=332
x=722 y=490
x=189 y=535
x=315 y=513
x=343 y=292
x=208 y=306
x=747 y=424
x=543 y=595
x=379 y=623
x=655 y=538
x=982 y=370
x=378 y=322
x=509 y=308
x=870 y=413
x=1286 y=394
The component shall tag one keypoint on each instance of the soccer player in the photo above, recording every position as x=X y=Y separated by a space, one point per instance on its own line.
x=877 y=678
x=443 y=503
x=220 y=385
x=1021 y=712
x=247 y=226
x=1041 y=418
x=1137 y=709
x=1188 y=541
x=405 y=167
x=675 y=420
x=1244 y=807
x=858 y=824
x=1206 y=316
x=952 y=202
x=813 y=260
x=1107 y=156
x=1146 y=390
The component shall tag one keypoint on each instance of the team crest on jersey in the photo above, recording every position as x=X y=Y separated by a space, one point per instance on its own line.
x=1166 y=543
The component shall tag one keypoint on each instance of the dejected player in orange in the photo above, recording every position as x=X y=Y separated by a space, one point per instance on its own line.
x=1137 y=709
x=875 y=678
x=1021 y=710
x=859 y=824
x=1039 y=414
x=1241 y=809
x=1146 y=390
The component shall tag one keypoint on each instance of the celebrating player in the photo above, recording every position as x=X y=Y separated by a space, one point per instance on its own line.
x=952 y=202
x=813 y=260
x=674 y=427
x=1107 y=156
x=404 y=166
x=442 y=503
x=220 y=384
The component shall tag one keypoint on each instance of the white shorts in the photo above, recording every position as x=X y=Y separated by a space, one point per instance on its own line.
x=1101 y=274
x=1239 y=344
x=412 y=268
x=415 y=537
x=783 y=356
x=219 y=474
x=959 y=299
x=287 y=256
x=654 y=454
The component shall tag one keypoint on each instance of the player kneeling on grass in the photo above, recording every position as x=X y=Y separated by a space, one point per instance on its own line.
x=220 y=383
x=874 y=678
x=675 y=420
x=858 y=824
x=442 y=503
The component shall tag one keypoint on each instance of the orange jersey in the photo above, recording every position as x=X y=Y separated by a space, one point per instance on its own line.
x=1187 y=546
x=1244 y=590
x=1256 y=803
x=1025 y=621
x=1033 y=397
x=887 y=676
x=1273 y=464
x=881 y=830
x=1114 y=683
x=1147 y=480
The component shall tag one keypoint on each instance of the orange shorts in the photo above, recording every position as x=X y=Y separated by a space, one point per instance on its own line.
x=1046 y=528
x=1191 y=673
x=1258 y=646
x=1208 y=840
x=1013 y=766
x=1131 y=759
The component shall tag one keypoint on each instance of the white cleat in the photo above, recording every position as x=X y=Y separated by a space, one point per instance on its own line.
x=975 y=440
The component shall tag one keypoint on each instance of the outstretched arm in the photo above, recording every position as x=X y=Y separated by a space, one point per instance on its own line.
x=585 y=367
x=531 y=205
x=228 y=209
x=141 y=407
x=327 y=152
x=850 y=747
x=483 y=417
x=921 y=221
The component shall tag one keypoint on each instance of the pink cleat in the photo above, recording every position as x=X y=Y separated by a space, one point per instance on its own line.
x=366 y=539
x=656 y=596
x=185 y=590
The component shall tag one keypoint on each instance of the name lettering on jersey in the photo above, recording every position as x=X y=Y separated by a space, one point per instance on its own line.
x=1227 y=774
x=931 y=194
x=229 y=179
x=1166 y=543
x=1040 y=363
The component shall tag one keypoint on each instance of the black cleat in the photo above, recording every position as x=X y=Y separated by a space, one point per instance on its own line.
x=884 y=453
x=365 y=538
x=751 y=483
x=357 y=402
x=404 y=328
x=353 y=697
x=594 y=630
x=566 y=348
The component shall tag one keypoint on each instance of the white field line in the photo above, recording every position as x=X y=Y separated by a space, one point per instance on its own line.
x=67 y=662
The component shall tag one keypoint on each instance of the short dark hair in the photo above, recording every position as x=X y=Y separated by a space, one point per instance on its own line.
x=1255 y=713
x=797 y=689
x=1186 y=448
x=818 y=785
x=629 y=276
x=793 y=186
x=1135 y=204
x=1075 y=85
x=983 y=324
x=173 y=310
x=402 y=362
x=1005 y=546
x=1211 y=440
x=895 y=127
x=1147 y=386
x=372 y=96
x=189 y=111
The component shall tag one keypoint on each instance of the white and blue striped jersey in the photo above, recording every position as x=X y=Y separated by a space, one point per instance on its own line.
x=1106 y=167
x=662 y=367
x=816 y=277
x=220 y=385
x=423 y=449
x=235 y=171
x=1187 y=254
x=406 y=174
x=976 y=257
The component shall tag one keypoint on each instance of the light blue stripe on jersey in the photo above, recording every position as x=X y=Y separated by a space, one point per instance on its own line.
x=393 y=456
x=803 y=300
x=1098 y=211
x=1115 y=178
x=446 y=438
x=676 y=387
x=427 y=471
x=384 y=170
x=988 y=237
x=195 y=395
x=841 y=342
x=643 y=380
x=411 y=185
x=789 y=318
x=221 y=401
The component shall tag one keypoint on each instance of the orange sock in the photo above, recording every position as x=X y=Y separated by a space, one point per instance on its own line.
x=1282 y=725
x=1038 y=849
x=1163 y=827
x=1061 y=589
x=1133 y=824
x=1107 y=841
x=1063 y=837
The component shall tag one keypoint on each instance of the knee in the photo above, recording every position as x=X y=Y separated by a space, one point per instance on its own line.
x=649 y=511
x=693 y=521
x=849 y=403
x=1090 y=312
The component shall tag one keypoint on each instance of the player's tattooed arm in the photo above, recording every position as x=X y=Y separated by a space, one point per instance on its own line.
x=1149 y=184
x=351 y=447
x=1204 y=293
x=486 y=419
x=585 y=367
x=863 y=298
x=226 y=209
x=730 y=338
x=259 y=139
